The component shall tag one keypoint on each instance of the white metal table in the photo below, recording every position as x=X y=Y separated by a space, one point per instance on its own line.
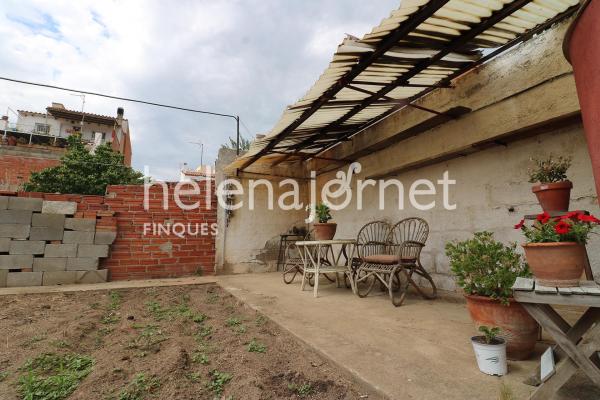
x=325 y=257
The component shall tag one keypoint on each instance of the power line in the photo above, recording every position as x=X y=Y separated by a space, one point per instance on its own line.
x=118 y=97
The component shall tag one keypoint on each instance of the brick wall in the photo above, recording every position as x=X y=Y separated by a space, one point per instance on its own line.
x=16 y=169
x=139 y=251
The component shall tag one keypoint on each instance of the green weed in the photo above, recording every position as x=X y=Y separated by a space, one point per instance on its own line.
x=218 y=380
x=256 y=347
x=139 y=387
x=53 y=376
x=301 y=390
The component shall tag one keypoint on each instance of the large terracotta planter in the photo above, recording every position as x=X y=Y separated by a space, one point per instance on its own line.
x=324 y=231
x=554 y=196
x=556 y=264
x=581 y=46
x=518 y=328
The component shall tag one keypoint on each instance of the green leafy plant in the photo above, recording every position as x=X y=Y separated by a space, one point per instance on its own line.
x=256 y=347
x=489 y=334
x=140 y=387
x=323 y=213
x=302 y=390
x=486 y=267
x=82 y=172
x=549 y=170
x=53 y=376
x=200 y=357
x=244 y=144
x=574 y=226
x=218 y=381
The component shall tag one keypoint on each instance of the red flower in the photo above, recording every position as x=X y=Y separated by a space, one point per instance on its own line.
x=572 y=214
x=562 y=227
x=520 y=224
x=588 y=218
x=544 y=217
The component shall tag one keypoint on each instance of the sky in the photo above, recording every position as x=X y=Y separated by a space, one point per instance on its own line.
x=244 y=57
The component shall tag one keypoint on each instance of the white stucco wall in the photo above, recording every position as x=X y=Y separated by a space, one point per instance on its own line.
x=488 y=184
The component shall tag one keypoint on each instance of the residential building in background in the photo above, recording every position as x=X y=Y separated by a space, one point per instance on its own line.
x=36 y=140
x=202 y=173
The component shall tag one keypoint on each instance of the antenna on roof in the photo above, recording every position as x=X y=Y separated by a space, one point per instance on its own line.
x=201 y=150
x=82 y=107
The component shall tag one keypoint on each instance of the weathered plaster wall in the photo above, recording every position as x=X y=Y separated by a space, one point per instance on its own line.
x=489 y=183
x=250 y=242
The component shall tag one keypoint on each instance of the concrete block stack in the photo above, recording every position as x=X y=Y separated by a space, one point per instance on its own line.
x=46 y=242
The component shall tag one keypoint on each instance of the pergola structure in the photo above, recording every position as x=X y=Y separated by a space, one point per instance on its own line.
x=420 y=47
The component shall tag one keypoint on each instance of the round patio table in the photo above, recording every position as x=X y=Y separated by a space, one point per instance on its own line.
x=325 y=257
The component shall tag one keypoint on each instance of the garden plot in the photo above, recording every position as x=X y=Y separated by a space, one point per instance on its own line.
x=186 y=342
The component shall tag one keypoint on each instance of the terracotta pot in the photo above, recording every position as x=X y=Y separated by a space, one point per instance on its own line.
x=325 y=231
x=554 y=196
x=517 y=327
x=581 y=45
x=556 y=264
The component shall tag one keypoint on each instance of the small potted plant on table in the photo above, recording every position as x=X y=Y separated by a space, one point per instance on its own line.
x=490 y=351
x=323 y=230
x=553 y=189
x=555 y=248
x=486 y=270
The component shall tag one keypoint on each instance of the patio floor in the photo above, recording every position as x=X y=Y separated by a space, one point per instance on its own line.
x=418 y=351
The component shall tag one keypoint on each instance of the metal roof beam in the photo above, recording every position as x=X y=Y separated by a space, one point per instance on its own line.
x=390 y=41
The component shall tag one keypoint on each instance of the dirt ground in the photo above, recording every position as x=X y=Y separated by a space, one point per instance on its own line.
x=186 y=342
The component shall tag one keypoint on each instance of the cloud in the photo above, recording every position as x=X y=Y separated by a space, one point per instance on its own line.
x=245 y=57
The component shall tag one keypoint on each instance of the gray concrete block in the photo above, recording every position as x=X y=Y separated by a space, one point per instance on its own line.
x=59 y=278
x=78 y=237
x=59 y=207
x=15 y=231
x=105 y=237
x=16 y=261
x=92 y=250
x=3 y=202
x=18 y=279
x=50 y=264
x=24 y=203
x=82 y=264
x=27 y=247
x=81 y=224
x=4 y=245
x=51 y=220
x=61 y=250
x=45 y=233
x=97 y=276
x=15 y=217
x=3 y=275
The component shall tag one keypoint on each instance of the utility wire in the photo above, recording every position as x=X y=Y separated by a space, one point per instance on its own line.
x=118 y=98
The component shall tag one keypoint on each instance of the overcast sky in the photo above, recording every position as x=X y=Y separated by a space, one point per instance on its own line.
x=246 y=57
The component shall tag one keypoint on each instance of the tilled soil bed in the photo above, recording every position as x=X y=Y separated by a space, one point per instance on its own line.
x=186 y=342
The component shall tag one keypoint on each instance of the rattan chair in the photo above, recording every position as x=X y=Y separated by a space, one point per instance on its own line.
x=393 y=259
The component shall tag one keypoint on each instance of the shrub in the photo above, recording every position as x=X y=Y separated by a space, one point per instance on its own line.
x=549 y=170
x=486 y=267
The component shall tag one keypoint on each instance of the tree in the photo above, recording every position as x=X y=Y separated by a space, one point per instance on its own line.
x=82 y=172
x=244 y=144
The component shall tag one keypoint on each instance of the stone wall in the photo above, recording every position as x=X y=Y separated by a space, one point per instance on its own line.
x=49 y=242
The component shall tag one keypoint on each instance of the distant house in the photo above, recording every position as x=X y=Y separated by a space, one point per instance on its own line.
x=202 y=173
x=37 y=140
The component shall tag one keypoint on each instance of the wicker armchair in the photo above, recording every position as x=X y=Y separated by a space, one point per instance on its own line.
x=391 y=255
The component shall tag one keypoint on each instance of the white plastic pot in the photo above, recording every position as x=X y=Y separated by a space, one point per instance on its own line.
x=491 y=358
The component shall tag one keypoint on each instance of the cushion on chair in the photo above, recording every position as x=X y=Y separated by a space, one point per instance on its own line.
x=385 y=259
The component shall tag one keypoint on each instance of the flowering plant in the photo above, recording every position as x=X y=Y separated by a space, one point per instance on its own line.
x=549 y=170
x=573 y=226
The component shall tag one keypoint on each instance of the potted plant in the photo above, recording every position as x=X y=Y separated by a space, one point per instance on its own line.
x=553 y=189
x=555 y=248
x=486 y=270
x=490 y=351
x=323 y=230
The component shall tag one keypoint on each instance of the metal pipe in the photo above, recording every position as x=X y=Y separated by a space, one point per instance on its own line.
x=237 y=142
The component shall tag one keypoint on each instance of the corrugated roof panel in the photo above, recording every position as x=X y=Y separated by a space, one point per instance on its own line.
x=445 y=38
